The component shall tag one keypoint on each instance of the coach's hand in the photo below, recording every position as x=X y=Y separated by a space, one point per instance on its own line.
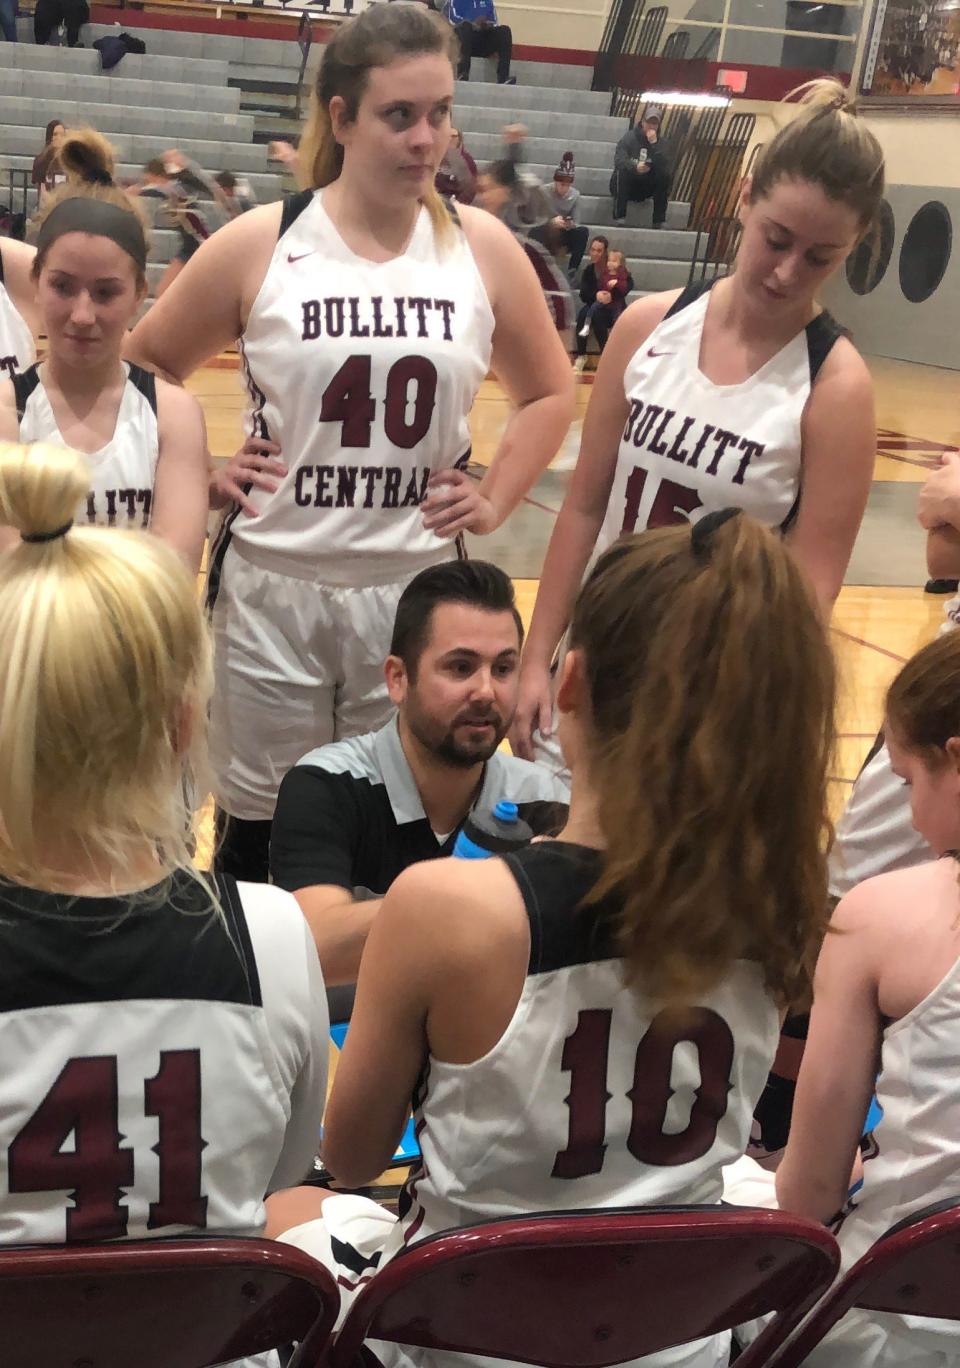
x=534 y=709
x=253 y=467
x=454 y=504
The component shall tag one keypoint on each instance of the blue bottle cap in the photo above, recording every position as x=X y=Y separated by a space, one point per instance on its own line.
x=506 y=811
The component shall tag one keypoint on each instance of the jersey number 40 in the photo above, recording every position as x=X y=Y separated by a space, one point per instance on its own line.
x=584 y=1057
x=347 y=400
x=84 y=1102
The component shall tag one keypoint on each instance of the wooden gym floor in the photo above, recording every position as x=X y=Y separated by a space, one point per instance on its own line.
x=882 y=615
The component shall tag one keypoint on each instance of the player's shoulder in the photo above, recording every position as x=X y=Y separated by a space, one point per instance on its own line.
x=843 y=368
x=897 y=901
x=173 y=402
x=522 y=780
x=640 y=318
x=457 y=906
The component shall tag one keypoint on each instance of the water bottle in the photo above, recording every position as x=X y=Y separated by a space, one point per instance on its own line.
x=498 y=833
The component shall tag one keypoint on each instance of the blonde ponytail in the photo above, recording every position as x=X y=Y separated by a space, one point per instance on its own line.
x=711 y=688
x=826 y=144
x=104 y=681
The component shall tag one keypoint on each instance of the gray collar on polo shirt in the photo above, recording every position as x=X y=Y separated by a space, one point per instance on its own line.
x=400 y=785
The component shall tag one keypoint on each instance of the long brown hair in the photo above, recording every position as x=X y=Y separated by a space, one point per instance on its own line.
x=828 y=145
x=923 y=702
x=87 y=159
x=374 y=38
x=711 y=688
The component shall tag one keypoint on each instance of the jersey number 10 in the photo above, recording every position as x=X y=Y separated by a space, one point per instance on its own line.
x=84 y=1102
x=584 y=1057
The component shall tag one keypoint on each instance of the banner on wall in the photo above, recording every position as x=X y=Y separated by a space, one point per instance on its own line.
x=914 y=50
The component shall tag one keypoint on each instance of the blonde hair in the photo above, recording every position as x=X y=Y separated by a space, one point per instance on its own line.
x=828 y=145
x=374 y=38
x=711 y=689
x=104 y=680
x=923 y=702
x=88 y=160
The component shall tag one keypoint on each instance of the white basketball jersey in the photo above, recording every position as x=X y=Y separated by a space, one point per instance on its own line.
x=912 y=1161
x=365 y=373
x=691 y=447
x=593 y=1097
x=124 y=470
x=163 y=1067
x=875 y=833
x=17 y=347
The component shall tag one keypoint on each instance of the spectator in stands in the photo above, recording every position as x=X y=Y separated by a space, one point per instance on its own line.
x=354 y=814
x=604 y=287
x=170 y=184
x=481 y=35
x=457 y=177
x=563 y=200
x=131 y=986
x=8 y=20
x=46 y=167
x=508 y=996
x=50 y=14
x=641 y=169
x=235 y=194
x=148 y=436
x=520 y=202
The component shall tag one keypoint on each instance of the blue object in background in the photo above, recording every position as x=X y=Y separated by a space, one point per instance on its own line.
x=408 y=1150
x=496 y=833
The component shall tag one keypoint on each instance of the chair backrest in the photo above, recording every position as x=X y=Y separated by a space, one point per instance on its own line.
x=912 y=1270
x=592 y=1288
x=162 y=1303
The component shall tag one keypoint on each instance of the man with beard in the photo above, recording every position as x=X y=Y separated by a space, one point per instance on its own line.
x=353 y=814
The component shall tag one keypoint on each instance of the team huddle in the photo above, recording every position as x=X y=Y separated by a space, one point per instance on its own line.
x=591 y=1020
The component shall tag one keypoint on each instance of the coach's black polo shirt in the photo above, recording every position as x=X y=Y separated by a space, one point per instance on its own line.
x=349 y=814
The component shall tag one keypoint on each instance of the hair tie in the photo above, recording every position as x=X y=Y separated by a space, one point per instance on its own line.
x=47 y=536
x=703 y=531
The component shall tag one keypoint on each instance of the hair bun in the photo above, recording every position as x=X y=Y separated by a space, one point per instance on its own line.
x=40 y=488
x=86 y=156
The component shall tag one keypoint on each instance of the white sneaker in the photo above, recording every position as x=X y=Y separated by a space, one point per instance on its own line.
x=580 y=364
x=584 y=331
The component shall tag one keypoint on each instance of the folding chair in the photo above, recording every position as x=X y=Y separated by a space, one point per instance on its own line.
x=912 y=1270
x=162 y=1304
x=593 y=1288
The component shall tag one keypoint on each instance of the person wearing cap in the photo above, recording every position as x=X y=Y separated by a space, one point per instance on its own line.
x=641 y=168
x=564 y=201
x=481 y=35
x=353 y=814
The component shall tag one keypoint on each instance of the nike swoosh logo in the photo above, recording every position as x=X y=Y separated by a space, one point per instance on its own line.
x=653 y=352
x=291 y=258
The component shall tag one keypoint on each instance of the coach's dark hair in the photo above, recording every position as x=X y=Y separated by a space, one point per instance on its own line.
x=923 y=702
x=708 y=734
x=477 y=583
x=375 y=38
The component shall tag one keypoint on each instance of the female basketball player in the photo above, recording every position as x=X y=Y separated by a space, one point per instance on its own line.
x=604 y=1008
x=145 y=438
x=173 y=1029
x=745 y=394
x=19 y=319
x=368 y=319
x=888 y=988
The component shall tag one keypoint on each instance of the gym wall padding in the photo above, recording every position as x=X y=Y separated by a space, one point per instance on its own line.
x=901 y=298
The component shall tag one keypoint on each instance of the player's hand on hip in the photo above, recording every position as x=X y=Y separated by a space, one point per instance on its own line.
x=454 y=504
x=534 y=710
x=940 y=496
x=255 y=466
